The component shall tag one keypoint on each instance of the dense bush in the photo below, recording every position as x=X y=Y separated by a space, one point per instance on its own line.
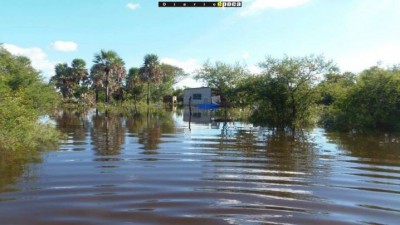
x=284 y=94
x=373 y=103
x=23 y=98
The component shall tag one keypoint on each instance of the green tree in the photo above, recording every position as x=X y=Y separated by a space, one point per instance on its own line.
x=108 y=71
x=335 y=86
x=23 y=97
x=71 y=80
x=170 y=75
x=80 y=76
x=150 y=72
x=221 y=77
x=96 y=78
x=62 y=79
x=284 y=94
x=134 y=85
x=373 y=103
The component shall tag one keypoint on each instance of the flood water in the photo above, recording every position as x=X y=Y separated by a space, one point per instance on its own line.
x=158 y=168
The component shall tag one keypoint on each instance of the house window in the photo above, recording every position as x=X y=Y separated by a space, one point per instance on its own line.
x=196 y=96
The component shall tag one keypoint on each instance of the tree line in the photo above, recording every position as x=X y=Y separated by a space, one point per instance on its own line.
x=108 y=80
x=290 y=92
x=295 y=92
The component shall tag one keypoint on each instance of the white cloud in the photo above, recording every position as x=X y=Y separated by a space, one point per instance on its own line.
x=37 y=56
x=64 y=46
x=260 y=5
x=132 y=6
x=189 y=82
x=254 y=69
x=189 y=66
x=387 y=54
x=245 y=55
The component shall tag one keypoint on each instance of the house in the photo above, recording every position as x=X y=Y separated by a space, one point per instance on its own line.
x=197 y=95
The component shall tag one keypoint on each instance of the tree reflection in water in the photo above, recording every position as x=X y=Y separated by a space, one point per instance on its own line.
x=107 y=134
x=19 y=164
x=150 y=127
x=292 y=151
x=375 y=147
x=73 y=122
x=15 y=165
x=286 y=151
x=273 y=163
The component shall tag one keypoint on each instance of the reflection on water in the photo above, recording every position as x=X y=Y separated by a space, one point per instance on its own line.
x=369 y=146
x=107 y=134
x=196 y=115
x=201 y=167
x=14 y=167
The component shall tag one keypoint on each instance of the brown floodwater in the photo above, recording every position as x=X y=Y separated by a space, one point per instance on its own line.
x=173 y=168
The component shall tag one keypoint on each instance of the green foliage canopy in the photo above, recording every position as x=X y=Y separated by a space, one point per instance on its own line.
x=373 y=103
x=109 y=72
x=221 y=77
x=23 y=97
x=284 y=94
x=71 y=80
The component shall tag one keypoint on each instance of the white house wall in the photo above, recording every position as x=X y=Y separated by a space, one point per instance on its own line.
x=190 y=92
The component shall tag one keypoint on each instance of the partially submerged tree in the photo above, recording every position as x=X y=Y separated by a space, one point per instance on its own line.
x=284 y=94
x=335 y=86
x=373 y=103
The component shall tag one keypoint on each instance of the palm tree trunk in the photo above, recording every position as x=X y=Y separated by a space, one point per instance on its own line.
x=107 y=93
x=148 y=93
x=97 y=94
x=294 y=112
x=107 y=89
x=135 y=100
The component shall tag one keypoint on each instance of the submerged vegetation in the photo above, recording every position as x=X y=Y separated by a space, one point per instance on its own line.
x=372 y=102
x=297 y=92
x=284 y=93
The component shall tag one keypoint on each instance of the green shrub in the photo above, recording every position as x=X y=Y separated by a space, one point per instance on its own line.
x=23 y=97
x=372 y=104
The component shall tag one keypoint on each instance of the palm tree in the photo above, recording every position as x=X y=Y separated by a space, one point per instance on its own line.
x=150 y=72
x=79 y=75
x=62 y=79
x=79 y=71
x=110 y=67
x=133 y=84
x=96 y=78
x=68 y=79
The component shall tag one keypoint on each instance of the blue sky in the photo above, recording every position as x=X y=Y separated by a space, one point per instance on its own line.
x=354 y=33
